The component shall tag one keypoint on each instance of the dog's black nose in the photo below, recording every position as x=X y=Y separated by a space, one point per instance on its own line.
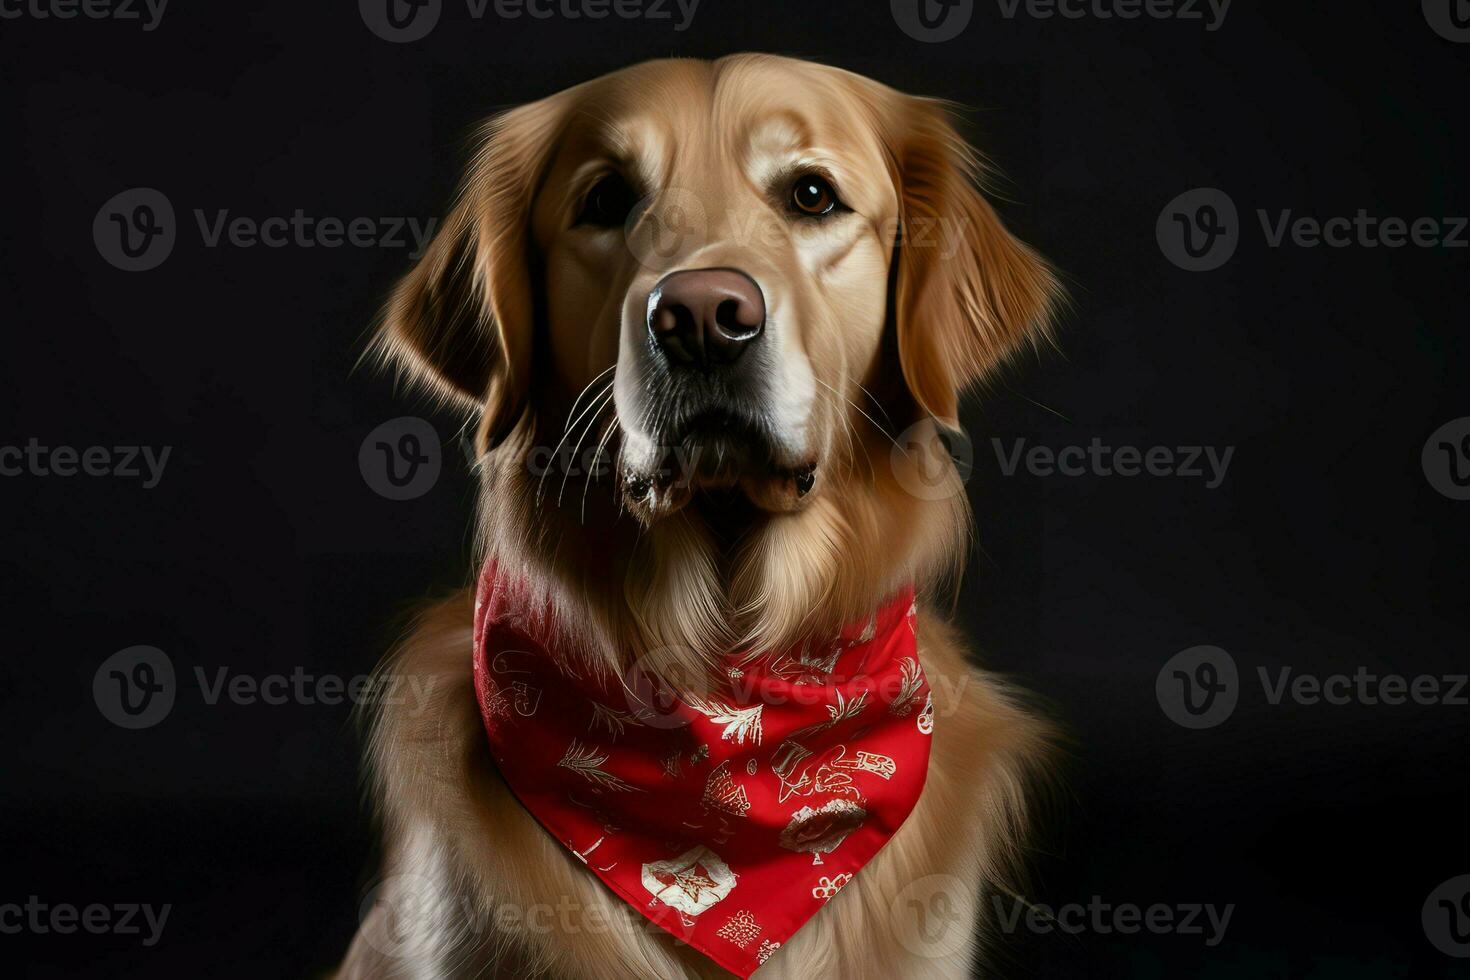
x=706 y=317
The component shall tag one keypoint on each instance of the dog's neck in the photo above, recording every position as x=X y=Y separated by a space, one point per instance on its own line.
x=753 y=581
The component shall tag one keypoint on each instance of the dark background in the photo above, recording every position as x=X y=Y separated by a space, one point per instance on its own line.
x=263 y=550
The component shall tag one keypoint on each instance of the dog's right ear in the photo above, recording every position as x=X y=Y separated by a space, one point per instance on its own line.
x=964 y=308
x=459 y=323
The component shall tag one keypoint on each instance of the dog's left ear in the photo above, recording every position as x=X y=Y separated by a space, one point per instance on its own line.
x=459 y=323
x=968 y=293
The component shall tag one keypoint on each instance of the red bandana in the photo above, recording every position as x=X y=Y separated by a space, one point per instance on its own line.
x=728 y=819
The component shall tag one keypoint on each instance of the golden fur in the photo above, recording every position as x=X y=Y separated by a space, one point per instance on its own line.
x=515 y=316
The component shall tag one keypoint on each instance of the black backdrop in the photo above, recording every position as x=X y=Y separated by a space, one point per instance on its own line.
x=261 y=548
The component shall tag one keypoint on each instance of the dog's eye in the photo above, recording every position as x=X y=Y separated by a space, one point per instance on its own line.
x=608 y=203
x=811 y=194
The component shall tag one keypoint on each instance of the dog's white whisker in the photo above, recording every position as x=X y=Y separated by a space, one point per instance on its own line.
x=596 y=456
x=556 y=450
x=578 y=400
x=576 y=450
x=864 y=414
x=874 y=399
x=562 y=441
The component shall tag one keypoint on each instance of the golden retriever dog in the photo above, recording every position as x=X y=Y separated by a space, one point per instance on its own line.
x=708 y=319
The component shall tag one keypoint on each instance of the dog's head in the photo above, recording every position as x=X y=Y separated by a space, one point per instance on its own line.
x=738 y=280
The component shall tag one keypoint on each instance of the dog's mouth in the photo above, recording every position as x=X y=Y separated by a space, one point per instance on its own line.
x=724 y=463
